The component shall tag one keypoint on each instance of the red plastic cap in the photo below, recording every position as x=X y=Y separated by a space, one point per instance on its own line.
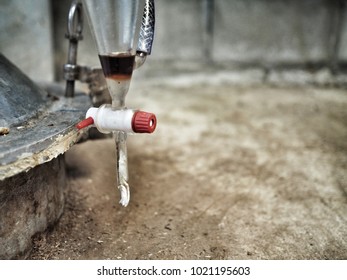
x=87 y=122
x=144 y=122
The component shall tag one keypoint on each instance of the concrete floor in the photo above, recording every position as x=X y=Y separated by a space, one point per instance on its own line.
x=232 y=172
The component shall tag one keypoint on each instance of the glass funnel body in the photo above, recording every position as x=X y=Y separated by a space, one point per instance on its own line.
x=115 y=25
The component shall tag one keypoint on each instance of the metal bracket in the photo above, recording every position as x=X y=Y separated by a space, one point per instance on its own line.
x=94 y=77
x=74 y=34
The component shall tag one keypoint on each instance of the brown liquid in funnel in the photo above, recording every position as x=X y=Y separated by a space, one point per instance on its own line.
x=117 y=66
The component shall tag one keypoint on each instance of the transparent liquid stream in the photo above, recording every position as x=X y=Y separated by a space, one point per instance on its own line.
x=118 y=90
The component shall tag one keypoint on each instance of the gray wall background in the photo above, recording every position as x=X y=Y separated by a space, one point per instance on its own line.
x=266 y=33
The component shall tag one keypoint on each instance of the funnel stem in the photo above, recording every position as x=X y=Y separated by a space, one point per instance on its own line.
x=122 y=167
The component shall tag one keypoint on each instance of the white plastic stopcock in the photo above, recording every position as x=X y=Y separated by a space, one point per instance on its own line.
x=107 y=119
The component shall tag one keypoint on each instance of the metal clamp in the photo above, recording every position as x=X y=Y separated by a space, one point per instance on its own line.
x=74 y=34
x=147 y=29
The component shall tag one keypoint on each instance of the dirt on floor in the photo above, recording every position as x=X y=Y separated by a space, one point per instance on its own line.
x=232 y=172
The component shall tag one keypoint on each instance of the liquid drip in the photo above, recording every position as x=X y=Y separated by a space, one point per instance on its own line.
x=122 y=167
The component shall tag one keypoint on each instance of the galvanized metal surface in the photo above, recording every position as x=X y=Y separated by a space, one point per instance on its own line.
x=41 y=123
x=29 y=203
x=20 y=98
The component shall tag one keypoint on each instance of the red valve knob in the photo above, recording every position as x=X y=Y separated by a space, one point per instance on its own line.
x=144 y=122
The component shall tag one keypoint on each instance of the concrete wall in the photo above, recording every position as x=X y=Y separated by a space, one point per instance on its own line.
x=26 y=37
x=271 y=31
x=246 y=32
